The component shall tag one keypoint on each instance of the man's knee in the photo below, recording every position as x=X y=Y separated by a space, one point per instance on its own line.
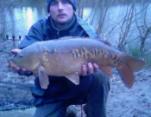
x=97 y=95
x=100 y=87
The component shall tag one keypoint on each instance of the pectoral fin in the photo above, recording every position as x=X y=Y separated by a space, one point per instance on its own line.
x=74 y=78
x=126 y=74
x=43 y=77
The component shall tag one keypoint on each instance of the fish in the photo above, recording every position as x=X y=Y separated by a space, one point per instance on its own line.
x=66 y=55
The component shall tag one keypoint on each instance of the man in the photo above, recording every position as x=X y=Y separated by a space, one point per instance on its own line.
x=53 y=100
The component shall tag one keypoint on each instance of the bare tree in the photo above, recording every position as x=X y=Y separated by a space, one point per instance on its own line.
x=104 y=7
x=125 y=27
x=143 y=28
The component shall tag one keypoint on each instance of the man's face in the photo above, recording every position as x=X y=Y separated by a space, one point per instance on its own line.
x=61 y=11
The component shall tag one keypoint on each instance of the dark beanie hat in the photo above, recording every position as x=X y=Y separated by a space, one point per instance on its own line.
x=72 y=2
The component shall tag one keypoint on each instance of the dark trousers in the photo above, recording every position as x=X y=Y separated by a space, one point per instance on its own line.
x=95 y=104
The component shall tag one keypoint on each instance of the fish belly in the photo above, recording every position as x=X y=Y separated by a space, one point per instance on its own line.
x=63 y=64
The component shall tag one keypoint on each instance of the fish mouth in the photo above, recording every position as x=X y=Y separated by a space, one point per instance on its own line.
x=12 y=65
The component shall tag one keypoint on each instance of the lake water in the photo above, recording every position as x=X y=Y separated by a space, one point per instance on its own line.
x=18 y=16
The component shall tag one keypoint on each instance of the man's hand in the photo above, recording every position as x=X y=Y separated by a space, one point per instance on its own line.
x=12 y=65
x=15 y=51
x=90 y=68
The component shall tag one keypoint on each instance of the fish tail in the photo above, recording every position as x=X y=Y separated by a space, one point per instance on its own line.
x=126 y=74
x=127 y=68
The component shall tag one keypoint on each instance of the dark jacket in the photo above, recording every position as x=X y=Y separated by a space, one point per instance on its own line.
x=60 y=89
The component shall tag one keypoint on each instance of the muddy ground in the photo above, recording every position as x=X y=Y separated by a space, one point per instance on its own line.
x=16 y=99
